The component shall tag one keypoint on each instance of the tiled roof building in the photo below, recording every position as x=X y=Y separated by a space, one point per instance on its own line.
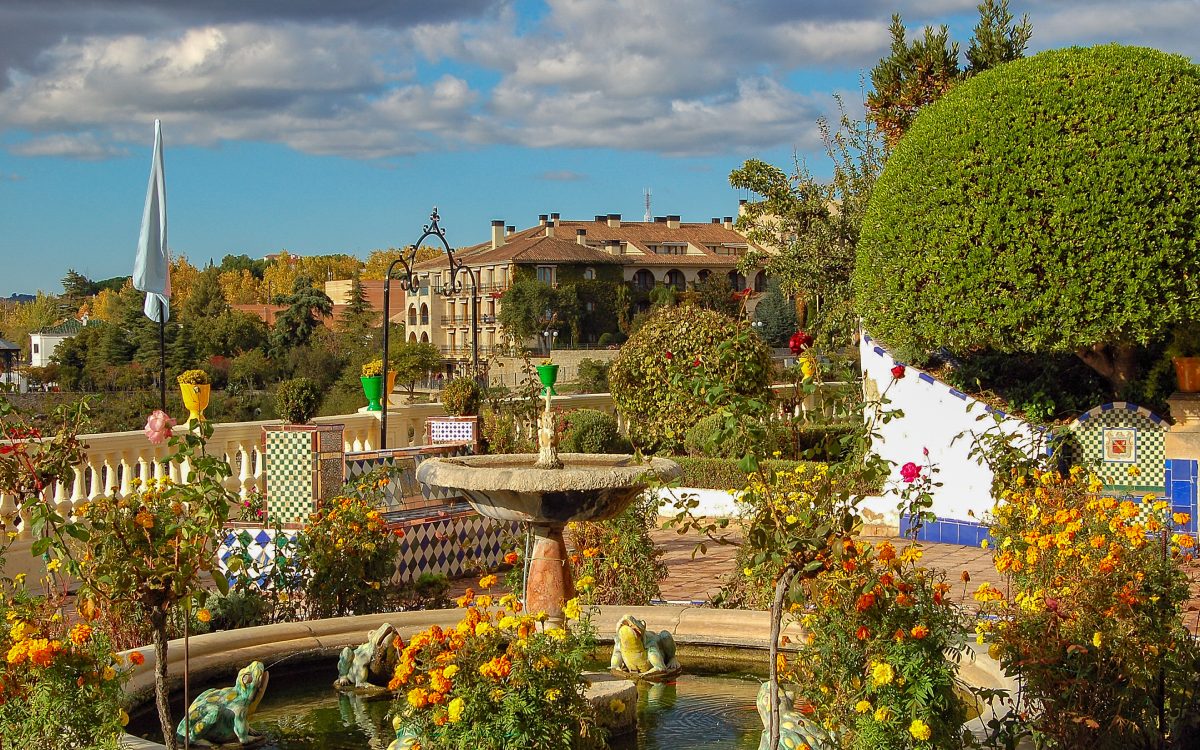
x=641 y=254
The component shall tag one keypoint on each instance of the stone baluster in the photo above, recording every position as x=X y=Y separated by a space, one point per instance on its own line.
x=95 y=478
x=245 y=473
x=62 y=499
x=126 y=469
x=109 y=482
x=8 y=512
x=78 y=488
x=25 y=513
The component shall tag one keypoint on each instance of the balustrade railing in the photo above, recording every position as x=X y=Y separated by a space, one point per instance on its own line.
x=114 y=459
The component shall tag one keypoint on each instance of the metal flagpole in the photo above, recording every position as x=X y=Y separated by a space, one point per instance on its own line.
x=162 y=356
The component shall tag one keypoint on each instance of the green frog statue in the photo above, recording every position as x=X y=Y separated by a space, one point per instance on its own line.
x=221 y=716
x=369 y=667
x=640 y=655
x=794 y=731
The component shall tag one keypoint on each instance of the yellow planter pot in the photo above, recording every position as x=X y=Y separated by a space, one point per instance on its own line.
x=195 y=398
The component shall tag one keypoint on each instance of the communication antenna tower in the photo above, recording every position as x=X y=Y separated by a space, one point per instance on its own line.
x=648 y=217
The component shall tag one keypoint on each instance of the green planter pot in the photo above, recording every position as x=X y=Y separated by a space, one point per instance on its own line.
x=548 y=374
x=373 y=390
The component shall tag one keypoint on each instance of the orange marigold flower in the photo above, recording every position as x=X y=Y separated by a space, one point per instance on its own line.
x=863 y=633
x=137 y=659
x=511 y=558
x=919 y=632
x=865 y=602
x=591 y=552
x=488 y=581
x=80 y=634
x=886 y=551
x=497 y=669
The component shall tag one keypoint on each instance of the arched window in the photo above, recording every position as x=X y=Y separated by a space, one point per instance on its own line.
x=424 y=314
x=760 y=281
x=737 y=281
x=643 y=280
x=589 y=273
x=703 y=274
x=412 y=315
x=424 y=338
x=412 y=337
x=675 y=278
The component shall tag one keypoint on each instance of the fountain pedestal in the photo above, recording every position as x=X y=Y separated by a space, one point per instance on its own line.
x=512 y=488
x=550 y=583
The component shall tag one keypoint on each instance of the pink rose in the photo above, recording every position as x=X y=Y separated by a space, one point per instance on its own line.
x=799 y=342
x=158 y=426
x=898 y=372
x=910 y=472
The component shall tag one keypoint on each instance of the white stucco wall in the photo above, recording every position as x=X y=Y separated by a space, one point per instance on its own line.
x=942 y=420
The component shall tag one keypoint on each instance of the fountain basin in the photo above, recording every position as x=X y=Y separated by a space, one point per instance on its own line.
x=511 y=488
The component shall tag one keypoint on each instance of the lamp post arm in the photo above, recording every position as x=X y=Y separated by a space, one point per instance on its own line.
x=407 y=282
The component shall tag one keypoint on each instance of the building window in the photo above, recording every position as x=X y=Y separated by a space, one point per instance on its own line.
x=545 y=274
x=737 y=281
x=643 y=280
x=675 y=278
x=590 y=306
x=589 y=273
x=424 y=314
x=35 y=347
x=760 y=282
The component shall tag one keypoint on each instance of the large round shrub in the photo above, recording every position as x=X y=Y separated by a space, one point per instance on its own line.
x=462 y=397
x=672 y=341
x=591 y=431
x=1051 y=204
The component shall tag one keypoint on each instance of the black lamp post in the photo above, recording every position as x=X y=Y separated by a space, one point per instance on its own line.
x=409 y=282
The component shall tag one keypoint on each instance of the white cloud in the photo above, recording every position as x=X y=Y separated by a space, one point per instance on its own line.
x=562 y=175
x=85 y=146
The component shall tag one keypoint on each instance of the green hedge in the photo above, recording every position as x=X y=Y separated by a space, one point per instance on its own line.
x=723 y=473
x=591 y=431
x=1046 y=205
x=812 y=442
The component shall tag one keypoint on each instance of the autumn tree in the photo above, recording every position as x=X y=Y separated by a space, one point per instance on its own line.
x=378 y=260
x=241 y=287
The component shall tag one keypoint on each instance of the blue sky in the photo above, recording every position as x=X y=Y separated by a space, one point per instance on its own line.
x=318 y=127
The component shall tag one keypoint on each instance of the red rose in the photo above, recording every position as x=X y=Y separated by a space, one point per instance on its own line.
x=799 y=342
x=669 y=356
x=910 y=472
x=898 y=372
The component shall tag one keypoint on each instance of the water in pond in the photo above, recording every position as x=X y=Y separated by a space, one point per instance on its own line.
x=302 y=712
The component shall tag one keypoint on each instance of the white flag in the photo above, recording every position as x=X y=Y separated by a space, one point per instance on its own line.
x=152 y=268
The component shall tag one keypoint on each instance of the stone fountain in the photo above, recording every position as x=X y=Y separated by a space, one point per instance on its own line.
x=547 y=490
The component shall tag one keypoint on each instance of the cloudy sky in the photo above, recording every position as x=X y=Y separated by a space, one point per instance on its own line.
x=322 y=126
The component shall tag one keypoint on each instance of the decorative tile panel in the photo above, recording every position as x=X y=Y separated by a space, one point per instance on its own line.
x=304 y=465
x=1124 y=443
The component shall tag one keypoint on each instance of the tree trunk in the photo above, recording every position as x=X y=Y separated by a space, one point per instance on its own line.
x=781 y=588
x=158 y=621
x=1116 y=363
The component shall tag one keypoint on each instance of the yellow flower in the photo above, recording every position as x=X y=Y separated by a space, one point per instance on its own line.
x=571 y=609
x=203 y=615
x=455 y=710
x=53 y=565
x=1097 y=639
x=748 y=571
x=557 y=634
x=123 y=717
x=553 y=694
x=919 y=730
x=483 y=628
x=984 y=544
x=450 y=671
x=418 y=698
x=488 y=581
x=585 y=584
x=862 y=706
x=508 y=622
x=791 y=519
x=882 y=714
x=109 y=673
x=882 y=673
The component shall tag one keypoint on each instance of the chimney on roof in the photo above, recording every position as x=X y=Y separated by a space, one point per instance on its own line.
x=510 y=230
x=614 y=221
x=729 y=222
x=542 y=219
x=497 y=233
x=673 y=221
x=550 y=227
x=613 y=247
x=742 y=207
x=716 y=220
x=660 y=220
x=601 y=217
x=581 y=236
x=554 y=217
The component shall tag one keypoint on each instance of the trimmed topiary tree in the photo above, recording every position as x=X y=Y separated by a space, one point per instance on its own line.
x=679 y=340
x=1049 y=205
x=591 y=431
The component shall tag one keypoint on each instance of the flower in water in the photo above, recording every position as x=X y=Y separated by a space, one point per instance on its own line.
x=158 y=426
x=910 y=472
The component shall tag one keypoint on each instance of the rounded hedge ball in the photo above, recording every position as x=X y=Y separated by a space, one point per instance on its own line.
x=1050 y=204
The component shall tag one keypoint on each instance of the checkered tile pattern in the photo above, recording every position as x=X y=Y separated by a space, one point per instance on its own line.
x=257 y=544
x=1145 y=470
x=455 y=546
x=290 y=475
x=304 y=465
x=453 y=430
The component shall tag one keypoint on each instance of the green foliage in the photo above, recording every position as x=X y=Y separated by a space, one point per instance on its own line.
x=593 y=374
x=412 y=361
x=462 y=397
x=1013 y=203
x=348 y=553
x=723 y=473
x=777 y=314
x=525 y=306
x=791 y=440
x=997 y=39
x=590 y=431
x=205 y=300
x=714 y=292
x=660 y=411
x=617 y=561
x=252 y=369
x=296 y=400
x=815 y=224
x=295 y=325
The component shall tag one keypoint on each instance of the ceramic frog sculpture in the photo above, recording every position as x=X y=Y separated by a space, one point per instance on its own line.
x=794 y=732
x=639 y=654
x=370 y=666
x=221 y=716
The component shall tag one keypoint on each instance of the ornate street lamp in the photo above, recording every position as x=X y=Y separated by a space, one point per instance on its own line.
x=410 y=283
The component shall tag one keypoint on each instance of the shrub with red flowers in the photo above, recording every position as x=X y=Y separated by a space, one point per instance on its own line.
x=1091 y=618
x=500 y=679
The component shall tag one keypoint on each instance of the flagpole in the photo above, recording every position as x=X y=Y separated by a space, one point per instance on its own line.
x=162 y=357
